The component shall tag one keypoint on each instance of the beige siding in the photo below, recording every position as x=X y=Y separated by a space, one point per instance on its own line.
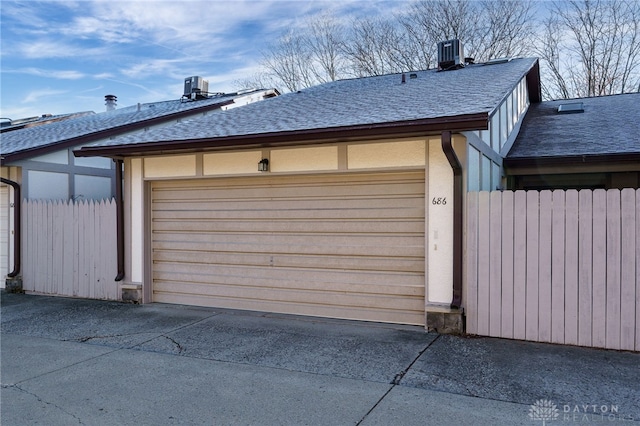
x=344 y=246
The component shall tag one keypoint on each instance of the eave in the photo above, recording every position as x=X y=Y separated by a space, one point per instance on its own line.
x=588 y=163
x=422 y=127
x=106 y=133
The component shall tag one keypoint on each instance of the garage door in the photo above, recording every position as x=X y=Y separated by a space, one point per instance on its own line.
x=340 y=246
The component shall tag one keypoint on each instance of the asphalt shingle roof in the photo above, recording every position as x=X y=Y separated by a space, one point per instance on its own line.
x=38 y=121
x=372 y=100
x=53 y=133
x=608 y=125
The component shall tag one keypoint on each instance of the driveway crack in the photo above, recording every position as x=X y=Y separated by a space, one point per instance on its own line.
x=396 y=380
x=398 y=377
x=14 y=386
x=178 y=345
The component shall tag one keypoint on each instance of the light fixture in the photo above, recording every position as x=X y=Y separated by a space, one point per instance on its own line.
x=263 y=165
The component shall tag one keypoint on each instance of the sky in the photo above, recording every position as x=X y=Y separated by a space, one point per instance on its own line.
x=64 y=56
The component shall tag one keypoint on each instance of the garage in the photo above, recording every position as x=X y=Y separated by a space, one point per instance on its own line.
x=339 y=245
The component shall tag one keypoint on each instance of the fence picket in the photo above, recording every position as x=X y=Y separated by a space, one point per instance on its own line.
x=629 y=222
x=520 y=265
x=558 y=266
x=110 y=257
x=533 y=241
x=76 y=249
x=495 y=264
x=571 y=273
x=613 y=269
x=599 y=265
x=507 y=265
x=68 y=248
x=585 y=267
x=484 y=216
x=637 y=339
x=43 y=262
x=57 y=252
x=544 y=267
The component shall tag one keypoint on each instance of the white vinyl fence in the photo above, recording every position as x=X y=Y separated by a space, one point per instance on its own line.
x=555 y=266
x=69 y=248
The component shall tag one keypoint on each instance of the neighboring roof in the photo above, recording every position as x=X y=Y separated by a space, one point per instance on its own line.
x=32 y=141
x=22 y=123
x=608 y=128
x=451 y=100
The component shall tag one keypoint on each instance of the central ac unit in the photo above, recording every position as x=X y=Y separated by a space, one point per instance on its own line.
x=450 y=54
x=195 y=87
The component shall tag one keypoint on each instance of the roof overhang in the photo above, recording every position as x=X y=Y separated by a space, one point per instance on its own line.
x=411 y=128
x=591 y=163
x=107 y=133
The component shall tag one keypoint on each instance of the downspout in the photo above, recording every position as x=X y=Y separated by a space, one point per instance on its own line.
x=16 y=225
x=119 y=221
x=449 y=152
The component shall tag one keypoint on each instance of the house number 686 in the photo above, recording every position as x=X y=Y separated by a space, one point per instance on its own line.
x=439 y=201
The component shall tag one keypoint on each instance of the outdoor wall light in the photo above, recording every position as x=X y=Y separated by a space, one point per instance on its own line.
x=263 y=165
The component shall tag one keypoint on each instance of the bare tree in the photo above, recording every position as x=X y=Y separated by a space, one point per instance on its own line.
x=326 y=44
x=372 y=47
x=599 y=51
x=587 y=47
x=488 y=29
x=259 y=80
x=428 y=22
x=288 y=61
x=550 y=41
x=507 y=31
x=303 y=57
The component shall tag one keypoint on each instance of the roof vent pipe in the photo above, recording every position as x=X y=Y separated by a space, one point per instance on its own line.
x=111 y=101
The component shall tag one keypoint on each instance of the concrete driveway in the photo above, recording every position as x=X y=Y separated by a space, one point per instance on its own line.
x=71 y=361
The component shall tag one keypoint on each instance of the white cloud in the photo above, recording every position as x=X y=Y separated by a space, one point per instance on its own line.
x=92 y=89
x=58 y=74
x=48 y=49
x=143 y=87
x=39 y=95
x=103 y=76
x=152 y=67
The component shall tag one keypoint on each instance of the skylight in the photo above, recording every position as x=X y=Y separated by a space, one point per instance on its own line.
x=497 y=61
x=571 y=108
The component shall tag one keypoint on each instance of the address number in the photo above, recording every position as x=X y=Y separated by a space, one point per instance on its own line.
x=439 y=201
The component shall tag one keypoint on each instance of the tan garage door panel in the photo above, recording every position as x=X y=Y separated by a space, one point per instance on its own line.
x=343 y=246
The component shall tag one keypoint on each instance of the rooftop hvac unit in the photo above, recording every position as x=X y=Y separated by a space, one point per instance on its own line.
x=450 y=54
x=195 y=87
